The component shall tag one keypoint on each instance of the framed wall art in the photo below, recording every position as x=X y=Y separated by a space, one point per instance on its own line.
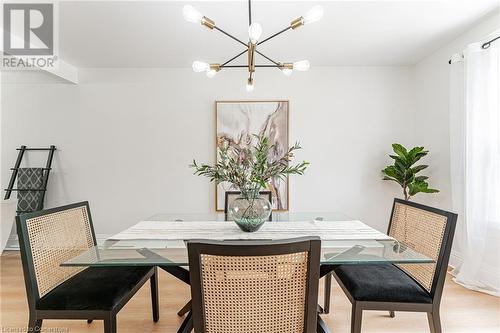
x=236 y=124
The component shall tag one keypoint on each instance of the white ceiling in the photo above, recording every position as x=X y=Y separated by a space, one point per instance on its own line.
x=154 y=34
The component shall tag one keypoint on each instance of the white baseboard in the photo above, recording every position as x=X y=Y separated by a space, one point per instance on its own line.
x=13 y=242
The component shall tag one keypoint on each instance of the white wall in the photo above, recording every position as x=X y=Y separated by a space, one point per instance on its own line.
x=432 y=114
x=126 y=137
x=143 y=127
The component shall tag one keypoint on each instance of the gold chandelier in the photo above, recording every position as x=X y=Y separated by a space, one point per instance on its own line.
x=254 y=34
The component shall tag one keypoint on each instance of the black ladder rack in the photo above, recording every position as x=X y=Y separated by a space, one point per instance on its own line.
x=45 y=178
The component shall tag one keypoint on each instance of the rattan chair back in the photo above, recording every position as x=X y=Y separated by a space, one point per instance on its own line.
x=49 y=238
x=424 y=230
x=248 y=286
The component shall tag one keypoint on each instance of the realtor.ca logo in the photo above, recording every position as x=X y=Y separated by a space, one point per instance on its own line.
x=29 y=36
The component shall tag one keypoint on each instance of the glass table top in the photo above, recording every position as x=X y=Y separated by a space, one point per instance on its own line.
x=174 y=253
x=163 y=252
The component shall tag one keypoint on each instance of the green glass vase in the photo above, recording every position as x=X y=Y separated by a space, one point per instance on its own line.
x=250 y=210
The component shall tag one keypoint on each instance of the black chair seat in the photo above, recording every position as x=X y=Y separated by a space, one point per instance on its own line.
x=381 y=283
x=95 y=288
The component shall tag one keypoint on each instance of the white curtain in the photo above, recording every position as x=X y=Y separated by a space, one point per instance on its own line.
x=475 y=165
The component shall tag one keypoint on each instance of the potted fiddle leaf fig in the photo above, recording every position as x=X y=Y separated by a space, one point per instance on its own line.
x=404 y=171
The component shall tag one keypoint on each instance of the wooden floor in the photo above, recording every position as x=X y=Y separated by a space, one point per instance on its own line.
x=462 y=310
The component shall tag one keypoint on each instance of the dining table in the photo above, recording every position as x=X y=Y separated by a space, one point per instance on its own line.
x=160 y=240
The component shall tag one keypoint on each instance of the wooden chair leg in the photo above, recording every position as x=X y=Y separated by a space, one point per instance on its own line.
x=110 y=324
x=89 y=321
x=328 y=292
x=356 y=318
x=34 y=325
x=434 y=321
x=155 y=302
x=185 y=309
x=392 y=314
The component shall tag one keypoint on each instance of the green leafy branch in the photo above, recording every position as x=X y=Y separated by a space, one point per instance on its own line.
x=250 y=167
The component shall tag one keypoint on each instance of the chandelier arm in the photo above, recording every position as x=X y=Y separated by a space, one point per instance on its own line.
x=235 y=66
x=246 y=66
x=236 y=56
x=249 y=13
x=276 y=34
x=230 y=36
x=271 y=60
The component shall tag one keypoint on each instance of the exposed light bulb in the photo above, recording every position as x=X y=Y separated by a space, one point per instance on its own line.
x=250 y=85
x=191 y=14
x=211 y=73
x=254 y=32
x=314 y=14
x=302 y=65
x=287 y=71
x=200 y=66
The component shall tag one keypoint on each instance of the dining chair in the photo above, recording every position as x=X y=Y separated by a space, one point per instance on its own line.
x=50 y=237
x=404 y=287
x=327 y=293
x=231 y=195
x=255 y=286
x=182 y=272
